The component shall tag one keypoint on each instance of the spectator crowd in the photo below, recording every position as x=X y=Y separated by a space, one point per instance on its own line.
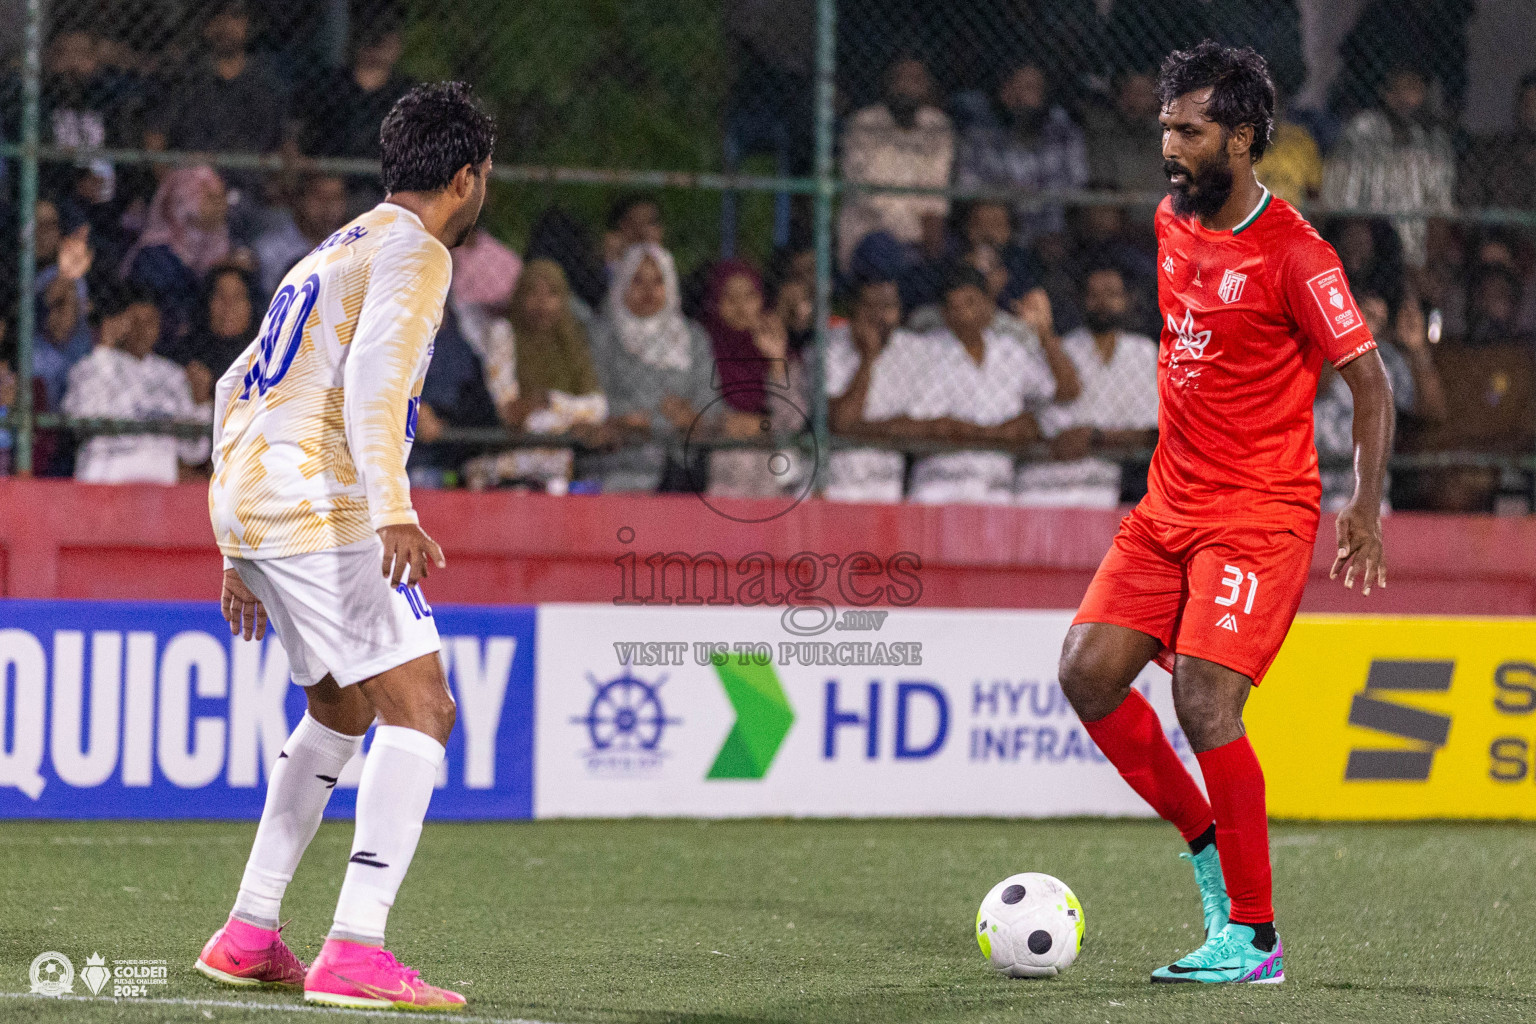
x=983 y=351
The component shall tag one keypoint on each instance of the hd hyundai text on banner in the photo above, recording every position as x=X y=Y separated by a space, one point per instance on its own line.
x=731 y=711
x=152 y=710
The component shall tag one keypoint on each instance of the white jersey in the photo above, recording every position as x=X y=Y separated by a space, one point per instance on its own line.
x=314 y=422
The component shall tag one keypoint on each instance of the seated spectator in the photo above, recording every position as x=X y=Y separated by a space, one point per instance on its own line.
x=1500 y=170
x=229 y=101
x=1490 y=391
x=1393 y=158
x=558 y=236
x=793 y=301
x=1372 y=255
x=752 y=358
x=86 y=105
x=186 y=236
x=485 y=272
x=861 y=474
x=223 y=328
x=342 y=110
x=964 y=384
x=123 y=379
x=1105 y=237
x=633 y=219
x=1292 y=167
x=319 y=210
x=655 y=368
x=1023 y=141
x=902 y=140
x=1116 y=409
x=63 y=337
x=556 y=385
x=1417 y=392
x=983 y=225
x=1125 y=148
x=1493 y=312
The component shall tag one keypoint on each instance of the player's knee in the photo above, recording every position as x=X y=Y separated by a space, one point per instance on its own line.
x=1207 y=722
x=1087 y=681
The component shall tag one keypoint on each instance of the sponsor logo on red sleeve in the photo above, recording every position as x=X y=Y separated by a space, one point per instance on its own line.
x=1331 y=292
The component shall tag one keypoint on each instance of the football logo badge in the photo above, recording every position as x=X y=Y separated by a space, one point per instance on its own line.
x=1231 y=287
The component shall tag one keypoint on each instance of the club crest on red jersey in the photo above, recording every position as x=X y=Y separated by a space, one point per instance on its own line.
x=1188 y=343
x=1231 y=288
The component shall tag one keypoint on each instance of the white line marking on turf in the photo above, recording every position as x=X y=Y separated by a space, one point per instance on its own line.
x=230 y=1004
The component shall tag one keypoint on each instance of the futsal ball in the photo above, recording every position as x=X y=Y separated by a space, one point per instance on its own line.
x=1030 y=926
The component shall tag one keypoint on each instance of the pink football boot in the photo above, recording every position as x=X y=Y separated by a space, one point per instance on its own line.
x=245 y=955
x=355 y=975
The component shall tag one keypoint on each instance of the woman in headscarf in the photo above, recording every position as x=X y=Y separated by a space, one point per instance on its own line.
x=225 y=323
x=186 y=235
x=557 y=384
x=553 y=384
x=655 y=368
x=757 y=382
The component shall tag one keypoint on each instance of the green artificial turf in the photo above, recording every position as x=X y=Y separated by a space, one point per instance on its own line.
x=814 y=921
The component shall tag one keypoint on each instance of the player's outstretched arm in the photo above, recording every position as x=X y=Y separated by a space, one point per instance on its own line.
x=1359 y=524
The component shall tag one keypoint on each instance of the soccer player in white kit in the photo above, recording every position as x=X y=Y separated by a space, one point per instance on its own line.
x=309 y=499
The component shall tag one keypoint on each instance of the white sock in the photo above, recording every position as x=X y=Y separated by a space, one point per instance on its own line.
x=297 y=793
x=392 y=799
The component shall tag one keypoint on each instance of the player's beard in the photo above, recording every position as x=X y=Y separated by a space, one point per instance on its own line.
x=1206 y=189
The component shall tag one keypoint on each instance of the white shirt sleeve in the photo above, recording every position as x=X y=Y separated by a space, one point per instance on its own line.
x=401 y=312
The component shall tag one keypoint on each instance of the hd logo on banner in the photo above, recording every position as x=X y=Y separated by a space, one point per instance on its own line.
x=722 y=712
x=1381 y=717
x=115 y=710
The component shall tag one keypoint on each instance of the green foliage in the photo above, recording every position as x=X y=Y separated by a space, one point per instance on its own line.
x=632 y=84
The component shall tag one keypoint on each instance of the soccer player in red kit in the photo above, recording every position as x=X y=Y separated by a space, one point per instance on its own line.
x=1205 y=575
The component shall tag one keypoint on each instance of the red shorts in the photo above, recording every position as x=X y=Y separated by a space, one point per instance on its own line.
x=1225 y=594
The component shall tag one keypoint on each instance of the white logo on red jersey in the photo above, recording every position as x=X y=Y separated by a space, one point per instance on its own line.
x=1188 y=341
x=1231 y=288
x=1168 y=265
x=1228 y=621
x=1331 y=293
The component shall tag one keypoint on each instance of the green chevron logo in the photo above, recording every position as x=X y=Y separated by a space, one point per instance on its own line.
x=763 y=718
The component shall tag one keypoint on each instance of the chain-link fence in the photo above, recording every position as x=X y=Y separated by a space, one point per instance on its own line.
x=830 y=183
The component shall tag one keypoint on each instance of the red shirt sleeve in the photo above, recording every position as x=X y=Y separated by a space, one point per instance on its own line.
x=1317 y=294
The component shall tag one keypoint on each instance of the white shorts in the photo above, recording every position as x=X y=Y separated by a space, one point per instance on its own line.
x=335 y=613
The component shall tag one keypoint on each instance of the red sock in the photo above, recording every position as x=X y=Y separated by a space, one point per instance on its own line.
x=1236 y=785
x=1131 y=736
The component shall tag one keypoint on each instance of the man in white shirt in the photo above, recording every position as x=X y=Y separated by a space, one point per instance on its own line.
x=862 y=474
x=965 y=384
x=1116 y=409
x=902 y=140
x=123 y=379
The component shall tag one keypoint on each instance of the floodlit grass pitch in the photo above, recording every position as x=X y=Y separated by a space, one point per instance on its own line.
x=835 y=921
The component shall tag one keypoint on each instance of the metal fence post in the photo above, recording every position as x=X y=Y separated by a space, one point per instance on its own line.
x=26 y=312
x=826 y=36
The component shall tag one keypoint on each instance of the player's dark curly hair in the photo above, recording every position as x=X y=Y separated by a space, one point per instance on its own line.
x=1241 y=90
x=430 y=133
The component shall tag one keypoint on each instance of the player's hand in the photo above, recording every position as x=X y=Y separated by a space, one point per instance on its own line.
x=1360 y=551
x=408 y=550
x=245 y=615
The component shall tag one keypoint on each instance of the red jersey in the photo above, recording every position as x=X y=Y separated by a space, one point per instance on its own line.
x=1249 y=315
